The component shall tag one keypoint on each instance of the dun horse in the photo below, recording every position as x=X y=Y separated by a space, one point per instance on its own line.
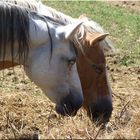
x=91 y=62
x=45 y=48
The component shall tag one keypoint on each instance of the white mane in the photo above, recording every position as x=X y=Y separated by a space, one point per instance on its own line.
x=30 y=4
x=88 y=25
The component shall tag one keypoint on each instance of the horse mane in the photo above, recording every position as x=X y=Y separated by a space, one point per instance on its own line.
x=34 y=4
x=107 y=44
x=59 y=15
x=65 y=19
x=14 y=31
x=29 y=4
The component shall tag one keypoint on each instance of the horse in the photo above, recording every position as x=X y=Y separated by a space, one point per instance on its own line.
x=94 y=80
x=91 y=63
x=46 y=50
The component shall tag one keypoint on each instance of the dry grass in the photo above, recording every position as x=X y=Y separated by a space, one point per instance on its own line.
x=26 y=113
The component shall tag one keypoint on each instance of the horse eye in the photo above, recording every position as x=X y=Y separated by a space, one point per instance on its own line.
x=71 y=62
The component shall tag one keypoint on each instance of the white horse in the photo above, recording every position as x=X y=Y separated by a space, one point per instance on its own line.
x=45 y=48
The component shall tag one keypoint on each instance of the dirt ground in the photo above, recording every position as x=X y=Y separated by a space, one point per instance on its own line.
x=131 y=5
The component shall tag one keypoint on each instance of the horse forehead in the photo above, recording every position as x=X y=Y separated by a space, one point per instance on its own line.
x=66 y=48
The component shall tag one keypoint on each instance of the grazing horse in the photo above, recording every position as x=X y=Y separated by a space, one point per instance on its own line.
x=46 y=50
x=91 y=63
x=94 y=80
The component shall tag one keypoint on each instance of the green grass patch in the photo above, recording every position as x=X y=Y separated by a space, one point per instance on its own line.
x=122 y=24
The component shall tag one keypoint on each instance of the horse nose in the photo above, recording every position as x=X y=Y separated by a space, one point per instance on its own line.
x=100 y=112
x=70 y=104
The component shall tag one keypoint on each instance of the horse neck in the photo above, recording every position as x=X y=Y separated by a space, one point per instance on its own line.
x=43 y=9
x=50 y=12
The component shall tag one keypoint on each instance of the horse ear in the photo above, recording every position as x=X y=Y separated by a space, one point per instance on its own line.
x=96 y=37
x=68 y=31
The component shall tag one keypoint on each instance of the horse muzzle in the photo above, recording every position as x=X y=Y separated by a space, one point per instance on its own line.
x=100 y=111
x=70 y=104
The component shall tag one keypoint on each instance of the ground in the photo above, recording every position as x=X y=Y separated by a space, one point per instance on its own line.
x=26 y=113
x=131 y=5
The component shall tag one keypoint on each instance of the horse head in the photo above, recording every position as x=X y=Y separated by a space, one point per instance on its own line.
x=93 y=75
x=52 y=66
